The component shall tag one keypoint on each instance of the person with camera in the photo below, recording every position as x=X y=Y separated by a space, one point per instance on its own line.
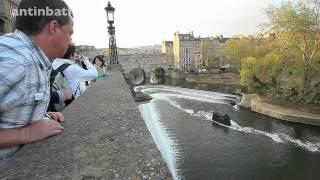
x=74 y=74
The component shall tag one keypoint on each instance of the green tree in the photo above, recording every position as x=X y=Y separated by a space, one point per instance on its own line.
x=247 y=71
x=261 y=74
x=237 y=49
x=297 y=29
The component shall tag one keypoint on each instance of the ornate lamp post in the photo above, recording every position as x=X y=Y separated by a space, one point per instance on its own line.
x=113 y=52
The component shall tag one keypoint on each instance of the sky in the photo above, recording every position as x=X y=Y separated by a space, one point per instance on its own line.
x=149 y=22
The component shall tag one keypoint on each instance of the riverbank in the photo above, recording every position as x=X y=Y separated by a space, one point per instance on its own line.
x=263 y=105
x=276 y=109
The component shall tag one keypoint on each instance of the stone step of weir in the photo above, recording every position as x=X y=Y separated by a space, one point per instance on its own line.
x=104 y=138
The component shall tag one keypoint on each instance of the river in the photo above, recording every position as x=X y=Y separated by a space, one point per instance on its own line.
x=253 y=147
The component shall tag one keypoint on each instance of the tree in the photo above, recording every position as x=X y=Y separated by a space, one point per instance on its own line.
x=261 y=74
x=297 y=28
x=237 y=49
x=247 y=70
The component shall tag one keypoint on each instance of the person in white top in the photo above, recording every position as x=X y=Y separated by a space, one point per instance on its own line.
x=74 y=74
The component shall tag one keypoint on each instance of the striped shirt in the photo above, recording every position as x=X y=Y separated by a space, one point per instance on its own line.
x=24 y=81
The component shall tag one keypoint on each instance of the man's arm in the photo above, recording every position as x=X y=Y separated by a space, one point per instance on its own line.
x=75 y=72
x=12 y=137
x=36 y=131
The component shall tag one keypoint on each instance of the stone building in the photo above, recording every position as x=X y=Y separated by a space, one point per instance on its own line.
x=211 y=52
x=185 y=50
x=167 y=49
x=6 y=18
x=89 y=51
x=191 y=54
x=265 y=36
x=197 y=54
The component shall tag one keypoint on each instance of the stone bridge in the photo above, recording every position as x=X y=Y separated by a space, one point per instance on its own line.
x=105 y=137
x=146 y=62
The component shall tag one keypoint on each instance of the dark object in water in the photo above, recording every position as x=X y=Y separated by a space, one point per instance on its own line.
x=221 y=119
x=139 y=96
x=233 y=103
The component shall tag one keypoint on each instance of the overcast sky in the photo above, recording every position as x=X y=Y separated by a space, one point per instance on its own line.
x=149 y=22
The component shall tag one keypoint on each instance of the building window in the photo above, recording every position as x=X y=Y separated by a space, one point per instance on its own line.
x=187 y=51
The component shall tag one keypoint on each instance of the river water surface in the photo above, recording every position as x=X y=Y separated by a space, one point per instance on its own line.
x=253 y=147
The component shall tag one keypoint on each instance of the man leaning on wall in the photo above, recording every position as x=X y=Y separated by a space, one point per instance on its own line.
x=25 y=66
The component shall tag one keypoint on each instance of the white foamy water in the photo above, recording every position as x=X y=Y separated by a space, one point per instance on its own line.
x=212 y=97
x=165 y=142
x=198 y=95
x=313 y=147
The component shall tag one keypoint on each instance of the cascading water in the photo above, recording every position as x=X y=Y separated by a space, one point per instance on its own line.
x=178 y=121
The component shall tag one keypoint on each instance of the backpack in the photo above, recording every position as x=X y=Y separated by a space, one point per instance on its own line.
x=60 y=70
x=57 y=82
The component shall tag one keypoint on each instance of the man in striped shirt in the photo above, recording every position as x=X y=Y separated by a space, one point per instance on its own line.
x=25 y=66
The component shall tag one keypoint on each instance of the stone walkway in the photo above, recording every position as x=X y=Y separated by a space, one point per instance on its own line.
x=104 y=138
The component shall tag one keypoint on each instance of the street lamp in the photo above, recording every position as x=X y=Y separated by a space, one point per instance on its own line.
x=113 y=53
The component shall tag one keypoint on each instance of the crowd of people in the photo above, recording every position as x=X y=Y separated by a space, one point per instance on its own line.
x=39 y=76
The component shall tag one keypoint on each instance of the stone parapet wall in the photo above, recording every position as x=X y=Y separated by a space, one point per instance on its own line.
x=104 y=138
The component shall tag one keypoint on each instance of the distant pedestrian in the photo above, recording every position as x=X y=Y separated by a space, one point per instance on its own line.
x=100 y=65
